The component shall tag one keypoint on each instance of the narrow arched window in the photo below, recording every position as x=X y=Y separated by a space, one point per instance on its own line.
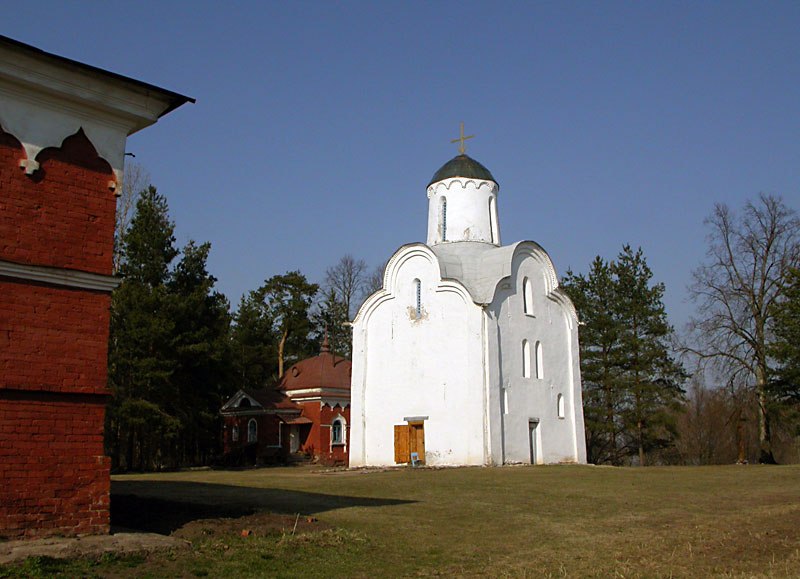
x=337 y=432
x=492 y=221
x=527 y=296
x=443 y=217
x=418 y=292
x=560 y=406
x=252 y=430
x=235 y=434
x=539 y=361
x=526 y=359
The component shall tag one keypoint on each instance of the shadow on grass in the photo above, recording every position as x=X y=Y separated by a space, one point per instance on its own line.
x=165 y=506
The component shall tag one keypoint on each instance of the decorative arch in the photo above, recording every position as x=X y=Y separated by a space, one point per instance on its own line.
x=338 y=430
x=463 y=183
x=76 y=150
x=391 y=275
x=252 y=430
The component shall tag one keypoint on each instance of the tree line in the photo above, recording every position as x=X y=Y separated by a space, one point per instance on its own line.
x=725 y=389
x=177 y=352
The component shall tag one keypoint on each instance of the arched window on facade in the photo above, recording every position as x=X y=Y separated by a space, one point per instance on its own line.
x=235 y=434
x=526 y=359
x=443 y=216
x=337 y=431
x=252 y=430
x=493 y=221
x=560 y=406
x=539 y=361
x=418 y=295
x=527 y=296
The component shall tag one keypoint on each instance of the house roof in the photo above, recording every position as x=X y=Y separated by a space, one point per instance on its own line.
x=271 y=398
x=266 y=400
x=323 y=371
x=174 y=99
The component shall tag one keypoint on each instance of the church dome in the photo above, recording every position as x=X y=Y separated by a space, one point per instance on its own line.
x=462 y=166
x=323 y=371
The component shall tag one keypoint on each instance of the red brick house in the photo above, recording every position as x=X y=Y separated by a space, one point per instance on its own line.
x=63 y=127
x=307 y=414
x=253 y=426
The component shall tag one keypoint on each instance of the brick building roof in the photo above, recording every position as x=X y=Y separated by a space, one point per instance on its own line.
x=323 y=371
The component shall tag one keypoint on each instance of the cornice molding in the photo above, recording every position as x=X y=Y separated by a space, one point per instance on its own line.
x=60 y=276
x=45 y=98
x=463 y=183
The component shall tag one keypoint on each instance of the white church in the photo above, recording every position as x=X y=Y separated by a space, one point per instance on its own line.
x=468 y=355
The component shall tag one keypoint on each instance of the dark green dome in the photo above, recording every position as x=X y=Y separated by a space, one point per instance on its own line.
x=462 y=166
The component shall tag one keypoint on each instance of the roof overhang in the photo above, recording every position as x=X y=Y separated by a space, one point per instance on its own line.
x=45 y=98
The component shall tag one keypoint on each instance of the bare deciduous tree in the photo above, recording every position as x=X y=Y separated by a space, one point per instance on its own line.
x=375 y=280
x=136 y=179
x=748 y=258
x=347 y=279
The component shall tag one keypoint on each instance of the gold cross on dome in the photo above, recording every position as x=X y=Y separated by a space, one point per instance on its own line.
x=461 y=148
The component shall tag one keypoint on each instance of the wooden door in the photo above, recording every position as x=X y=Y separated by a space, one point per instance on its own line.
x=402 y=452
x=409 y=438
x=417 y=439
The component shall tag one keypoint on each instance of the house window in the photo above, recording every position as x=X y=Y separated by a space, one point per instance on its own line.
x=527 y=296
x=539 y=361
x=560 y=406
x=235 y=434
x=443 y=217
x=337 y=432
x=418 y=290
x=252 y=430
x=526 y=359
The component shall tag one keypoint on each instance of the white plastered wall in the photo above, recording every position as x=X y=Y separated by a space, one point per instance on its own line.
x=471 y=211
x=431 y=366
x=536 y=399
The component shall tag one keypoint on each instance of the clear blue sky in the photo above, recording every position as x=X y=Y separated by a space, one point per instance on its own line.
x=318 y=124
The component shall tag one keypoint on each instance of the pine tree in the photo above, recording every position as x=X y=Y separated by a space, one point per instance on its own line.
x=651 y=377
x=631 y=382
x=201 y=343
x=601 y=361
x=273 y=326
x=140 y=361
x=169 y=352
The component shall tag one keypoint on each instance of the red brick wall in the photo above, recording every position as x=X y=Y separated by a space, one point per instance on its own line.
x=265 y=450
x=62 y=215
x=55 y=477
x=52 y=338
x=318 y=442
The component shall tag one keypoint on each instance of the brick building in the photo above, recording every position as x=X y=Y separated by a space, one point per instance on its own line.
x=63 y=127
x=307 y=414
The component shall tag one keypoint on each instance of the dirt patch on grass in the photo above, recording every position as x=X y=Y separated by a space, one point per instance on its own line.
x=255 y=525
x=195 y=521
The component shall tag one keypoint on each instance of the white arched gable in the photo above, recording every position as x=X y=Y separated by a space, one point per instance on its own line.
x=392 y=274
x=552 y=290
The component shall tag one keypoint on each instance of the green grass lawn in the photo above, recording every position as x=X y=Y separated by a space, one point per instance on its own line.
x=553 y=521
